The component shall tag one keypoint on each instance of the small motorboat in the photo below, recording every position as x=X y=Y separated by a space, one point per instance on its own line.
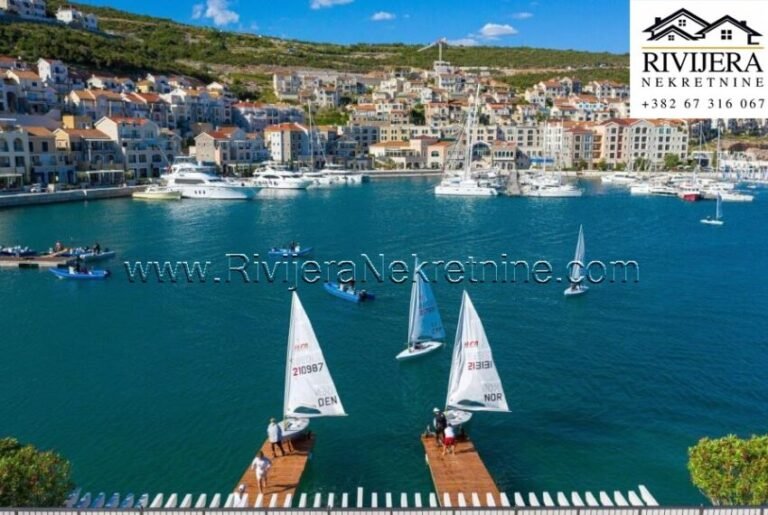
x=83 y=275
x=89 y=254
x=157 y=193
x=291 y=250
x=348 y=292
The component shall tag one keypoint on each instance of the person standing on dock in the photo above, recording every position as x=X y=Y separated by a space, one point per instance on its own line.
x=440 y=423
x=449 y=441
x=275 y=434
x=261 y=466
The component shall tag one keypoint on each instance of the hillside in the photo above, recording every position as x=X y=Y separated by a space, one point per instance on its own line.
x=134 y=43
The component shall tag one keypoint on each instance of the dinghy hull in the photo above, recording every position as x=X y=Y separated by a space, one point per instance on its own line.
x=356 y=296
x=420 y=350
x=580 y=290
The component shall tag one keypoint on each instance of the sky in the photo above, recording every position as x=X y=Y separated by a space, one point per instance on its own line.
x=596 y=25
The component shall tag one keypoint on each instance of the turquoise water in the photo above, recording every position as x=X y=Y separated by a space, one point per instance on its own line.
x=168 y=387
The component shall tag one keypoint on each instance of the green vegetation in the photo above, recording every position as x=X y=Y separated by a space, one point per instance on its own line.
x=671 y=161
x=329 y=116
x=32 y=478
x=731 y=471
x=521 y=81
x=134 y=43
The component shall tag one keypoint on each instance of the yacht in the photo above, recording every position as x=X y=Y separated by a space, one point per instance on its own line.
x=458 y=186
x=194 y=180
x=619 y=178
x=640 y=188
x=549 y=185
x=339 y=174
x=279 y=177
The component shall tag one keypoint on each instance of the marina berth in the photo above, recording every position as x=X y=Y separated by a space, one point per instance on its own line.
x=196 y=181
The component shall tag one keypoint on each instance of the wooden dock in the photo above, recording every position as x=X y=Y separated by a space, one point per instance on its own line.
x=459 y=477
x=50 y=261
x=283 y=477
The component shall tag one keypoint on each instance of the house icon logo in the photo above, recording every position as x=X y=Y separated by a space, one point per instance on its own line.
x=683 y=25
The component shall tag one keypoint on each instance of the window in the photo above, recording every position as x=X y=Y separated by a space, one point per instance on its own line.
x=671 y=37
x=18 y=146
x=726 y=34
x=682 y=22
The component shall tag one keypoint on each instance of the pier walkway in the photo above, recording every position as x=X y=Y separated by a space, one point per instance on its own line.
x=51 y=261
x=283 y=477
x=456 y=475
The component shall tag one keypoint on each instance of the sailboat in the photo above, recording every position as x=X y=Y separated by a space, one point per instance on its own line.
x=309 y=388
x=474 y=383
x=718 y=220
x=577 y=286
x=425 y=328
x=464 y=184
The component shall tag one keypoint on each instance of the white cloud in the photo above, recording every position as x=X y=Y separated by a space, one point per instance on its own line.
x=383 y=16
x=496 y=30
x=320 y=4
x=217 y=11
x=522 y=15
x=468 y=41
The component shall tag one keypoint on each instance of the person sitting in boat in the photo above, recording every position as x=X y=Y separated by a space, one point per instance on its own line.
x=58 y=247
x=97 y=248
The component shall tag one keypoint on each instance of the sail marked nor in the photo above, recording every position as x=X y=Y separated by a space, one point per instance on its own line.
x=474 y=383
x=424 y=322
x=309 y=388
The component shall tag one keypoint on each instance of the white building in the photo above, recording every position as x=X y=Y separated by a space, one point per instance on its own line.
x=73 y=17
x=30 y=9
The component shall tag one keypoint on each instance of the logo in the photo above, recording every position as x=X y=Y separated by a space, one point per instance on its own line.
x=683 y=25
x=698 y=61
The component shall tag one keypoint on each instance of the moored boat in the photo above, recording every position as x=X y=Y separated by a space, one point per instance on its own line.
x=155 y=192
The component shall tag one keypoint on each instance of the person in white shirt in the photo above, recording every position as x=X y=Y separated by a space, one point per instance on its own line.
x=275 y=434
x=261 y=466
x=449 y=440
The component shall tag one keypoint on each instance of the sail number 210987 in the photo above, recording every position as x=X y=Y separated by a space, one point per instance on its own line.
x=308 y=369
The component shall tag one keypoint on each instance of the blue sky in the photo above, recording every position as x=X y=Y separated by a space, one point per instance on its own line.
x=584 y=25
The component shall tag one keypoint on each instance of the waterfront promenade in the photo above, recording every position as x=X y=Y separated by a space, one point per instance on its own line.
x=56 y=197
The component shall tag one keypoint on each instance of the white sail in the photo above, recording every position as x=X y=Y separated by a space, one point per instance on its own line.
x=424 y=322
x=577 y=266
x=474 y=383
x=309 y=388
x=719 y=208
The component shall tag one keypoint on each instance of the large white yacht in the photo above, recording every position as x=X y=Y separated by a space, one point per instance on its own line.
x=278 y=177
x=194 y=180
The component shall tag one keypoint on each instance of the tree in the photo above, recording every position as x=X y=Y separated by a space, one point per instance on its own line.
x=731 y=471
x=32 y=478
x=671 y=161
